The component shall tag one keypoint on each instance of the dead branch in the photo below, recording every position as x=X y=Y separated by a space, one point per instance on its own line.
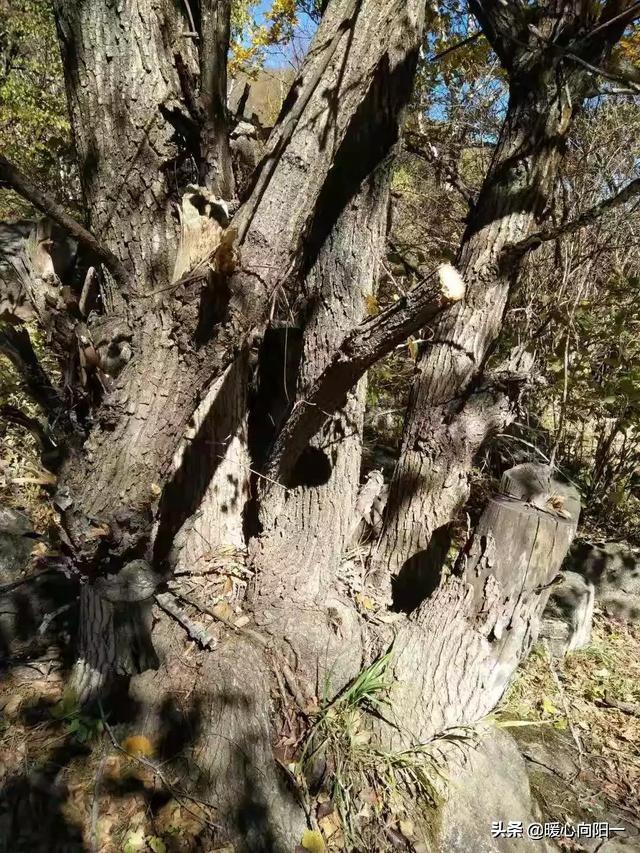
x=418 y=144
x=363 y=347
x=631 y=708
x=11 y=176
x=167 y=602
x=7 y=588
x=49 y=450
x=588 y=217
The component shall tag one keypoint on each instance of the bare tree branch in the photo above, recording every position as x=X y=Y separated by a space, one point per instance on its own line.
x=588 y=217
x=364 y=346
x=50 y=452
x=463 y=43
x=17 y=180
x=427 y=152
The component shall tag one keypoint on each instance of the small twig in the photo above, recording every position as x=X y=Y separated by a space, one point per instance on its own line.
x=4 y=590
x=48 y=619
x=565 y=704
x=469 y=40
x=177 y=793
x=86 y=291
x=563 y=776
x=166 y=601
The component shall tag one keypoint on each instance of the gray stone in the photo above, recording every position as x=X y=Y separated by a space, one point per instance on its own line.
x=567 y=789
x=491 y=785
x=568 y=617
x=614 y=570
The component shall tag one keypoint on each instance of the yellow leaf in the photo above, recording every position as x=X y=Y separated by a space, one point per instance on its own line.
x=99 y=531
x=371 y=304
x=364 y=602
x=548 y=707
x=407 y=828
x=313 y=841
x=413 y=348
x=223 y=611
x=138 y=745
x=362 y=738
x=330 y=824
x=39 y=550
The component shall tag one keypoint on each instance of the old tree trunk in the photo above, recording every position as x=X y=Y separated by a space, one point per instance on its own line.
x=217 y=378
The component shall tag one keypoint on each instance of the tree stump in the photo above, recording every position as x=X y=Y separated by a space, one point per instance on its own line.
x=521 y=542
x=459 y=651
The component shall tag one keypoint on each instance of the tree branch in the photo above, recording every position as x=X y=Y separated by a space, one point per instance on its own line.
x=15 y=344
x=588 y=217
x=463 y=43
x=428 y=153
x=364 y=346
x=618 y=13
x=215 y=23
x=500 y=22
x=17 y=180
x=49 y=450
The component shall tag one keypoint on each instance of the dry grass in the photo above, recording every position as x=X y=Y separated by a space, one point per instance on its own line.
x=571 y=695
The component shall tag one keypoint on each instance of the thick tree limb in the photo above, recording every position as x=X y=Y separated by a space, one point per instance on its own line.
x=17 y=180
x=368 y=343
x=588 y=217
x=500 y=22
x=215 y=17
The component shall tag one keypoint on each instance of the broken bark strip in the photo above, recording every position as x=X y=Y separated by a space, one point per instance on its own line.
x=18 y=181
x=361 y=349
x=458 y=653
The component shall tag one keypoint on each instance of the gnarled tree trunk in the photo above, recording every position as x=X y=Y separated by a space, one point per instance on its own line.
x=445 y=427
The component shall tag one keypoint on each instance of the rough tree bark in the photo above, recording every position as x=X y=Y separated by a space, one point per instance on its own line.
x=299 y=257
x=546 y=90
x=457 y=655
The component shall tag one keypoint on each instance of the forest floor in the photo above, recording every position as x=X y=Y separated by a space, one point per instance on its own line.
x=72 y=778
x=577 y=722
